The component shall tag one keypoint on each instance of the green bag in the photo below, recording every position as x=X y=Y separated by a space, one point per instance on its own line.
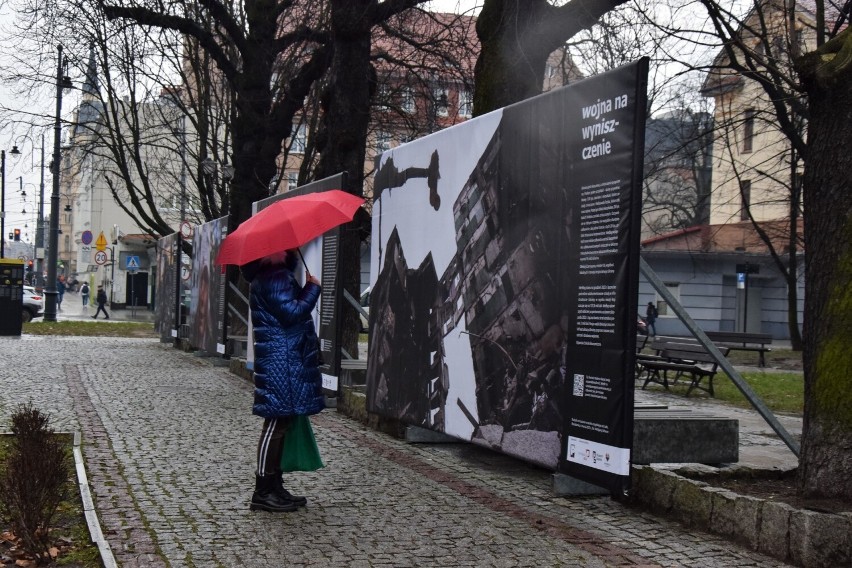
x=299 y=451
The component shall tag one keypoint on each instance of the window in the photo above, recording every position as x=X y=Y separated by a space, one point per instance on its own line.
x=407 y=100
x=441 y=101
x=292 y=180
x=465 y=103
x=384 y=97
x=745 y=196
x=663 y=309
x=383 y=141
x=299 y=140
x=748 y=130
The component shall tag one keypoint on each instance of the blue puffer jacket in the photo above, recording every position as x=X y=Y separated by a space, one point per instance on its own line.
x=286 y=374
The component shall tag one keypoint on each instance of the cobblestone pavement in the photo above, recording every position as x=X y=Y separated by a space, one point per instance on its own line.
x=169 y=443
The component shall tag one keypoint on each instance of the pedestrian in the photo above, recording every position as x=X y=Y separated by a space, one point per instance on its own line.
x=651 y=317
x=101 y=299
x=60 y=292
x=288 y=384
x=84 y=292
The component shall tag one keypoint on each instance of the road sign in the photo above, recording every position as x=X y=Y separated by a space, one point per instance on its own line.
x=100 y=257
x=186 y=229
x=101 y=243
x=132 y=262
x=185 y=272
x=86 y=237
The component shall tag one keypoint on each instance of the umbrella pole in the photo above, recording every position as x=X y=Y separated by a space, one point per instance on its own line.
x=307 y=272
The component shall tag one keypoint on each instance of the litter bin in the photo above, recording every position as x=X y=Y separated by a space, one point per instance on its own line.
x=11 y=295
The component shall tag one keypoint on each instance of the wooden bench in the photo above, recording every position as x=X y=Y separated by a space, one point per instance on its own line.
x=743 y=342
x=350 y=369
x=641 y=340
x=682 y=359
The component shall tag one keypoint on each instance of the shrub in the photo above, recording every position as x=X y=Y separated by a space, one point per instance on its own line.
x=33 y=479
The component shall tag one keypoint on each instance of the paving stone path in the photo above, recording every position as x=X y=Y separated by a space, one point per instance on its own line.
x=169 y=443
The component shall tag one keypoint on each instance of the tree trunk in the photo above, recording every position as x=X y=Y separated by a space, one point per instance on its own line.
x=825 y=466
x=793 y=270
x=516 y=37
x=510 y=67
x=346 y=123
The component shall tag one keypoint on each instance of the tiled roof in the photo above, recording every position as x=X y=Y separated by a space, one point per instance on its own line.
x=732 y=237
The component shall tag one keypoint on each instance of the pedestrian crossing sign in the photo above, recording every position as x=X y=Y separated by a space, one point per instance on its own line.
x=132 y=263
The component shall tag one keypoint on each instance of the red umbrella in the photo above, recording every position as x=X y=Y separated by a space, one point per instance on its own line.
x=288 y=224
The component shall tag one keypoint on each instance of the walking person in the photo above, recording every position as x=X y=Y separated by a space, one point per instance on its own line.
x=101 y=299
x=288 y=384
x=651 y=317
x=84 y=293
x=60 y=291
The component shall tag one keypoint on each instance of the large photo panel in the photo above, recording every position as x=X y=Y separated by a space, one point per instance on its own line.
x=504 y=270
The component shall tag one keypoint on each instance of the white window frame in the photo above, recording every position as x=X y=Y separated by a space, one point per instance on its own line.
x=465 y=103
x=292 y=180
x=299 y=141
x=384 y=141
x=407 y=100
x=439 y=93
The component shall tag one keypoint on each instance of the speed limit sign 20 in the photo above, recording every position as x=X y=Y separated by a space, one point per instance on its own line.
x=100 y=257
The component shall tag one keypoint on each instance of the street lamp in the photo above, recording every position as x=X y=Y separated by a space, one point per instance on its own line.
x=39 y=240
x=2 y=203
x=50 y=292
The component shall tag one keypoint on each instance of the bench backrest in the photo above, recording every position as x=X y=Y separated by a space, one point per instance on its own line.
x=690 y=352
x=659 y=344
x=641 y=340
x=739 y=337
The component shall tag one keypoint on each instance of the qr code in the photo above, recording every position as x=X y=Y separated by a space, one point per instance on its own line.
x=579 y=384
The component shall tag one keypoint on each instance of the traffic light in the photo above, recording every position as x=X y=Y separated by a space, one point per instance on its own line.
x=17 y=234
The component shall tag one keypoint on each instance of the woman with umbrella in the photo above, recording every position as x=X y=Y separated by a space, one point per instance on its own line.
x=287 y=379
x=288 y=384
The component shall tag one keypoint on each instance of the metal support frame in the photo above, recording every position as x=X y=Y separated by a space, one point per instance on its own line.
x=724 y=364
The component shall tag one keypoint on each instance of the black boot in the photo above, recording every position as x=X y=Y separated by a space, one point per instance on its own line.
x=298 y=500
x=266 y=498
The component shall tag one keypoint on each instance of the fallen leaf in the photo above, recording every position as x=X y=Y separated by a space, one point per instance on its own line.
x=54 y=552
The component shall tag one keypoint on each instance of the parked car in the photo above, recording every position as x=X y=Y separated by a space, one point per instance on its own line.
x=365 y=305
x=33 y=304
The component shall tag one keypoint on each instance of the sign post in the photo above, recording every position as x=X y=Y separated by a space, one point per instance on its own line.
x=743 y=270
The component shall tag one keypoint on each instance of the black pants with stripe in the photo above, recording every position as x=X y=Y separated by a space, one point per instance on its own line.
x=270 y=445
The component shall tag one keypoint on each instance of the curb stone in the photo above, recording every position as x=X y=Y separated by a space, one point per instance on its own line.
x=810 y=539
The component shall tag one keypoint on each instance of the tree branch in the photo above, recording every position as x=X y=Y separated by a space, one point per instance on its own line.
x=147 y=17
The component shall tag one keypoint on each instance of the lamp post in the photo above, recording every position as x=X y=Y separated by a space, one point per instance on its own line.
x=50 y=291
x=2 y=203
x=39 y=236
x=179 y=245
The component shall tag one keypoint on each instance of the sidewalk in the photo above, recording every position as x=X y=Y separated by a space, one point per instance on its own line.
x=72 y=309
x=169 y=444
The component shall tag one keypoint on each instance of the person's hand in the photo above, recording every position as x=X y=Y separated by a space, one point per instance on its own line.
x=313 y=279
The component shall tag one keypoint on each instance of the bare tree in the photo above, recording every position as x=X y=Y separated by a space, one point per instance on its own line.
x=757 y=49
x=268 y=54
x=135 y=130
